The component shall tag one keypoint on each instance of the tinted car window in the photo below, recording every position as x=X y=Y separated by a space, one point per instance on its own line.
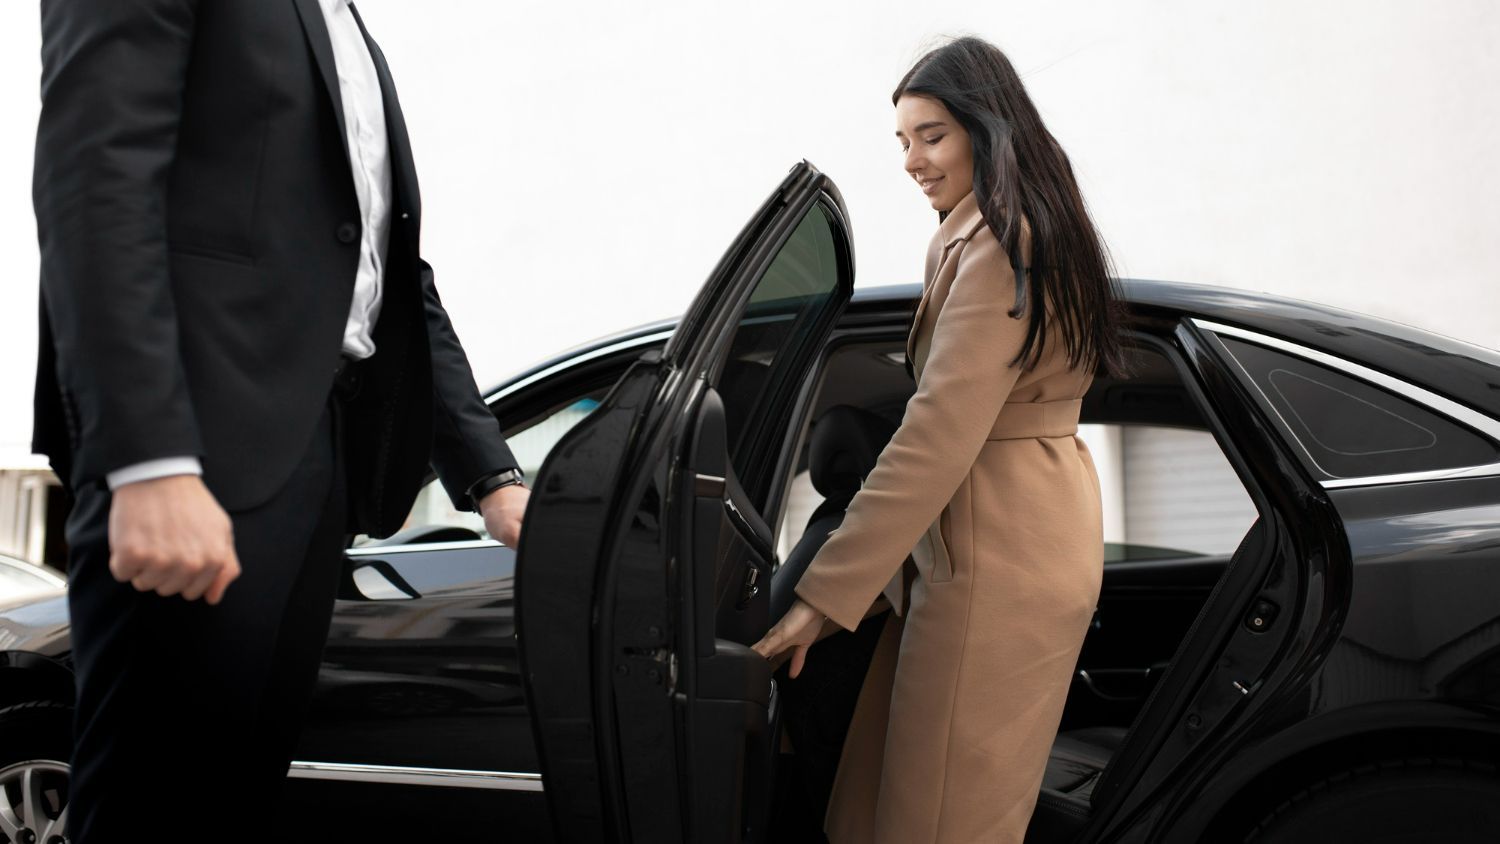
x=530 y=445
x=1349 y=428
x=774 y=338
x=1168 y=491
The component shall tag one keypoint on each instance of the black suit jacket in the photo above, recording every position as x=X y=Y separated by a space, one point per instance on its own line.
x=199 y=236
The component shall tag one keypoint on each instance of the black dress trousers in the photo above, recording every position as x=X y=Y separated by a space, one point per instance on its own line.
x=188 y=714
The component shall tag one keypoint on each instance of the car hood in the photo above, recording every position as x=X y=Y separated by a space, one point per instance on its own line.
x=37 y=622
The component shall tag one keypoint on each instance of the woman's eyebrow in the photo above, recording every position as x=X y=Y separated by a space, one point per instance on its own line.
x=923 y=127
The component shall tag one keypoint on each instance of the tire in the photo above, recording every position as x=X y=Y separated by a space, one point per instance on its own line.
x=36 y=740
x=1398 y=801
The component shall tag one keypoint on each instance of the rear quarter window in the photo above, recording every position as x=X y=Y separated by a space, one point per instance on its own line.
x=1350 y=428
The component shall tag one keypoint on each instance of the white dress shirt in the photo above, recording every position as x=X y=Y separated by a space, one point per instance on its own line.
x=369 y=159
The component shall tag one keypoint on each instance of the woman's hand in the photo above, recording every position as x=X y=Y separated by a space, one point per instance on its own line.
x=798 y=629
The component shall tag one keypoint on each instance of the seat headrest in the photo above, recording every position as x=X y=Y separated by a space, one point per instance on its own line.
x=845 y=442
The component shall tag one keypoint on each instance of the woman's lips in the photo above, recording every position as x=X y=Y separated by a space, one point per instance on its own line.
x=931 y=185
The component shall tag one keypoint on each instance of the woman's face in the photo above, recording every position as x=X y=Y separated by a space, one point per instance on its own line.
x=939 y=155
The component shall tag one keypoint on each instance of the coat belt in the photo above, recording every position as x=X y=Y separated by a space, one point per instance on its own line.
x=1019 y=420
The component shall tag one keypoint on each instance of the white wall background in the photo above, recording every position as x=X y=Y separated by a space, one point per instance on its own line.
x=583 y=165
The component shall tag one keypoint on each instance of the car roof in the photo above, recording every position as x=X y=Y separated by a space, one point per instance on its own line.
x=1462 y=371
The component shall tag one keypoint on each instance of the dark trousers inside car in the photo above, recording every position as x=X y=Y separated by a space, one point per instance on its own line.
x=188 y=714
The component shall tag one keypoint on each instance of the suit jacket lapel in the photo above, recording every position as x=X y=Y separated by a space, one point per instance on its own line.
x=403 y=168
x=316 y=30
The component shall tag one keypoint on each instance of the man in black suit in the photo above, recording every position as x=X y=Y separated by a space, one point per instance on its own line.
x=243 y=360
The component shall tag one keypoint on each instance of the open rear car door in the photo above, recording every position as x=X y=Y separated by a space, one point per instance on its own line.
x=644 y=569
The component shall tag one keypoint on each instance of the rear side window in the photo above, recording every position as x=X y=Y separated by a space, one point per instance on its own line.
x=1349 y=428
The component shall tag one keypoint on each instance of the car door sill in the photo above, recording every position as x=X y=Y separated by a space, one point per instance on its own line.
x=399 y=775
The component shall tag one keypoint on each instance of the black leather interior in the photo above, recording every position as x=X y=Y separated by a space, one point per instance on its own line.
x=1087 y=765
x=1079 y=756
x=842 y=448
x=1075 y=766
x=818 y=706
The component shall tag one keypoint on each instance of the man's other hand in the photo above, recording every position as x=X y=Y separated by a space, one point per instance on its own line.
x=503 y=510
x=170 y=536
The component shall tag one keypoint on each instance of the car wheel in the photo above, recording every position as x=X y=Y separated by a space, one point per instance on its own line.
x=35 y=742
x=1455 y=801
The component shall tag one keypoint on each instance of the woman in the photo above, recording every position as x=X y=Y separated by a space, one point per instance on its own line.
x=985 y=482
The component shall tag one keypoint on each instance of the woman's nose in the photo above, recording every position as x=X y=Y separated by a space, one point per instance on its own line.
x=914 y=161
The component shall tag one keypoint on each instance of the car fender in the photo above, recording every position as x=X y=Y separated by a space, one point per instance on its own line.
x=27 y=676
x=1265 y=770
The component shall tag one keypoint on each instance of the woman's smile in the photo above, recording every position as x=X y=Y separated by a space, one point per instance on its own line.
x=934 y=146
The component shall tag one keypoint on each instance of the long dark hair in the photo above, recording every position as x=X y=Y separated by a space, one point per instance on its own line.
x=1020 y=170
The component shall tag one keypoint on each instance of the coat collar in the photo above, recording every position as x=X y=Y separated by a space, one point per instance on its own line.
x=962 y=221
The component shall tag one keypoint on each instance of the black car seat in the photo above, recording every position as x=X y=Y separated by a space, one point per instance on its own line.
x=844 y=444
x=818 y=706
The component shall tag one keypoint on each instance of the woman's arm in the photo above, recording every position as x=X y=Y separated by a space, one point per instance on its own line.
x=965 y=382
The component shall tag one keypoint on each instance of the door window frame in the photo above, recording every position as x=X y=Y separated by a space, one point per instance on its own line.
x=768 y=468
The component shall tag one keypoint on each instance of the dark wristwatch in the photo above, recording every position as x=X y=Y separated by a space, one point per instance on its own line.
x=486 y=485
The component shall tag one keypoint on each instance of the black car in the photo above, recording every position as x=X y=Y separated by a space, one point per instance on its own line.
x=1298 y=636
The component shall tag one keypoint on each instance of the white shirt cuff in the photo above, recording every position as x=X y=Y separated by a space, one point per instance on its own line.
x=153 y=469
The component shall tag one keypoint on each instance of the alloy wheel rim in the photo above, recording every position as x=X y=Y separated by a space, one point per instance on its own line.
x=34 y=802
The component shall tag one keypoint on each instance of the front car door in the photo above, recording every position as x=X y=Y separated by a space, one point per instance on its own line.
x=643 y=576
x=418 y=704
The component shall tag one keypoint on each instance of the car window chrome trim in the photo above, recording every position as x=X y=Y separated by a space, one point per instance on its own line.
x=1439 y=404
x=400 y=775
x=1485 y=470
x=604 y=351
x=459 y=545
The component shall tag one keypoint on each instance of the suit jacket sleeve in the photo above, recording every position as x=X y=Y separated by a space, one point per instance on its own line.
x=965 y=382
x=467 y=444
x=112 y=80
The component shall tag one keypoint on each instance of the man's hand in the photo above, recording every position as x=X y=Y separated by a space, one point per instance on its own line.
x=503 y=510
x=170 y=536
x=796 y=631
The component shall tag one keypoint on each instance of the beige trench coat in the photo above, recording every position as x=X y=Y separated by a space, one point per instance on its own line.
x=987 y=487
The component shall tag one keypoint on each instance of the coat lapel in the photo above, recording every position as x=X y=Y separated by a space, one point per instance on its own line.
x=960 y=223
x=916 y=321
x=316 y=30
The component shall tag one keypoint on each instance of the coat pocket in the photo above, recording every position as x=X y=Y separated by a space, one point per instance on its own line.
x=942 y=559
x=953 y=536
